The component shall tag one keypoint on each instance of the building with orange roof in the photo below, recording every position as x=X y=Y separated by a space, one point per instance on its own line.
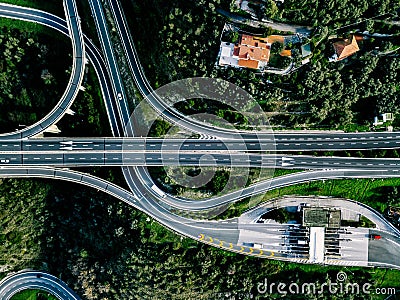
x=287 y=53
x=276 y=38
x=248 y=63
x=250 y=52
x=345 y=48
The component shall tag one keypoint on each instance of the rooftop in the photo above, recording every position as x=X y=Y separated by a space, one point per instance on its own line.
x=248 y=63
x=227 y=50
x=346 y=47
x=317 y=244
x=306 y=50
x=251 y=51
x=321 y=217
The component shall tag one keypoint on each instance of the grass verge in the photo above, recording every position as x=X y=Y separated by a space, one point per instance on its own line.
x=51 y=6
x=33 y=295
x=375 y=193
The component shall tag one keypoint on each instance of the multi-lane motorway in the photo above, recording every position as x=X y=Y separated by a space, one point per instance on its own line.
x=22 y=157
x=118 y=115
x=158 y=152
x=280 y=142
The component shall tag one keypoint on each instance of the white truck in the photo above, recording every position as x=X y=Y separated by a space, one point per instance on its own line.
x=158 y=191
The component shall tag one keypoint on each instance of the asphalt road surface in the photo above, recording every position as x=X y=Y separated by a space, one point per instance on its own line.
x=226 y=232
x=77 y=72
x=24 y=280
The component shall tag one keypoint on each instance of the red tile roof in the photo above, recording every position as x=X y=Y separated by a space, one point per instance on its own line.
x=345 y=48
x=252 y=64
x=252 y=50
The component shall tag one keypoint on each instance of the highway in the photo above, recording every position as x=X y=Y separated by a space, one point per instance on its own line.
x=121 y=112
x=352 y=206
x=184 y=226
x=78 y=67
x=224 y=234
x=292 y=143
x=140 y=182
x=92 y=53
x=70 y=154
x=23 y=280
x=385 y=252
x=113 y=151
x=336 y=141
x=269 y=185
x=227 y=231
x=282 y=141
x=285 y=141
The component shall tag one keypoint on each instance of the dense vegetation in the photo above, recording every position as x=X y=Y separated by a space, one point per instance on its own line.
x=21 y=233
x=321 y=94
x=106 y=250
x=338 y=94
x=90 y=117
x=377 y=193
x=33 y=295
x=334 y=13
x=33 y=77
x=177 y=39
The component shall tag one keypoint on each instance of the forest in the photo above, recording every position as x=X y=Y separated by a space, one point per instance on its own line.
x=318 y=95
x=106 y=250
x=334 y=13
x=32 y=76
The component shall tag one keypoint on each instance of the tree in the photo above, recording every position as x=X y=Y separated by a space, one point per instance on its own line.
x=280 y=215
x=270 y=10
x=231 y=36
x=276 y=47
x=282 y=62
x=258 y=10
x=386 y=46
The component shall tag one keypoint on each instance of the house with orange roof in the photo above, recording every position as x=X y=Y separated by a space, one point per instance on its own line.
x=345 y=48
x=251 y=52
x=254 y=52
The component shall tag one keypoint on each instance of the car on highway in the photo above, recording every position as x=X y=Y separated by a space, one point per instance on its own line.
x=5 y=161
x=119 y=96
x=375 y=236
